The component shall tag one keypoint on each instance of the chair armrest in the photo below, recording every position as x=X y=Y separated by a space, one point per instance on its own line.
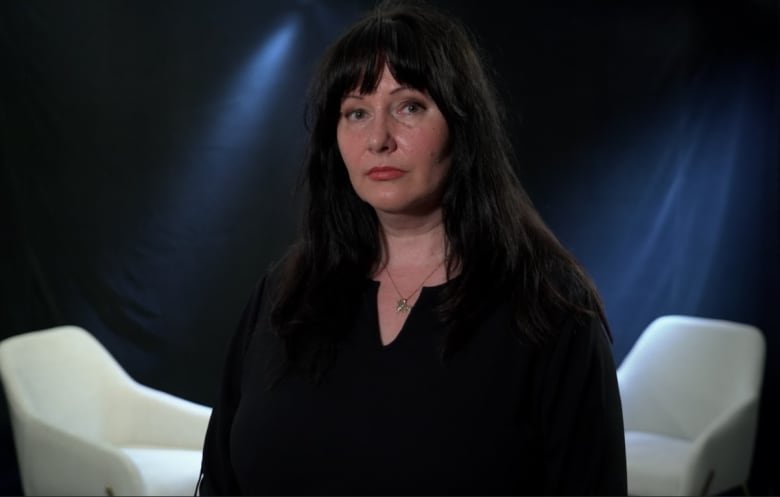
x=55 y=462
x=147 y=416
x=725 y=447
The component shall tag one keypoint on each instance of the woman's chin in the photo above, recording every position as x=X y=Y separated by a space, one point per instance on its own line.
x=396 y=209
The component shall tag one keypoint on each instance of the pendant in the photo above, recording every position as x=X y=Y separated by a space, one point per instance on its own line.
x=402 y=306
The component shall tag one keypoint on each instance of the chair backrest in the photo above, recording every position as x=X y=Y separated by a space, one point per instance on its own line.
x=684 y=371
x=61 y=376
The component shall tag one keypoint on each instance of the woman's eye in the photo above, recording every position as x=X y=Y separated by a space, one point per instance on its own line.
x=355 y=115
x=412 y=107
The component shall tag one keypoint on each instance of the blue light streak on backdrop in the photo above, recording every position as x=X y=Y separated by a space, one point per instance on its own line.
x=674 y=213
x=217 y=164
x=184 y=245
x=212 y=167
x=248 y=98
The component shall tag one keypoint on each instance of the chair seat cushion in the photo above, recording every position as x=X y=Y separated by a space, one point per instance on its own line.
x=166 y=471
x=654 y=463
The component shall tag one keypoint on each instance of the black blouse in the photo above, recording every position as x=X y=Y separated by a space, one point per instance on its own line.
x=500 y=417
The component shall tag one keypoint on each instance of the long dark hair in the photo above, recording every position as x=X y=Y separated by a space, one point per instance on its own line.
x=497 y=242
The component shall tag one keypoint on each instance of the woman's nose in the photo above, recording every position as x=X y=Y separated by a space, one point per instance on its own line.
x=380 y=135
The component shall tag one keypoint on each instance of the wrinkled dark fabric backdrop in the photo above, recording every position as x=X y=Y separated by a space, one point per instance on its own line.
x=149 y=152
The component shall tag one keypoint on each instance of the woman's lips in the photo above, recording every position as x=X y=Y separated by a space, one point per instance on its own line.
x=384 y=173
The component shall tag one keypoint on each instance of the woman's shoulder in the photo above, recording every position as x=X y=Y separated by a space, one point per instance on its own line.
x=268 y=281
x=260 y=299
x=579 y=340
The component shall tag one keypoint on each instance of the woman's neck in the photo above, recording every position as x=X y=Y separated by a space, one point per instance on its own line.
x=413 y=242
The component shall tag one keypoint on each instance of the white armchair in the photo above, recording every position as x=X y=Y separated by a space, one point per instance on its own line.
x=83 y=426
x=690 y=388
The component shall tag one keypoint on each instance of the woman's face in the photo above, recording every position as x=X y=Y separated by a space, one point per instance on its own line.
x=394 y=143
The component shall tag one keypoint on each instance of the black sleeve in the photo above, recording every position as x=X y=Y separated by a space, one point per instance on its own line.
x=216 y=474
x=581 y=415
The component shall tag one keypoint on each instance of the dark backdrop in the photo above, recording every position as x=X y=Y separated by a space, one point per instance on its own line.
x=149 y=152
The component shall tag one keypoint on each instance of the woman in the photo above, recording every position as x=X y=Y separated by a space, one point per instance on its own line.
x=427 y=334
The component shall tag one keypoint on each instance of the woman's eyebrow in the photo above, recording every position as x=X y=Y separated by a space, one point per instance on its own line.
x=395 y=90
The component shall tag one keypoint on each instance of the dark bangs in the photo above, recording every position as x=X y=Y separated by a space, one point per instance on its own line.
x=414 y=54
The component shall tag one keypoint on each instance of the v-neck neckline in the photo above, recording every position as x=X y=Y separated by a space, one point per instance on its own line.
x=422 y=301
